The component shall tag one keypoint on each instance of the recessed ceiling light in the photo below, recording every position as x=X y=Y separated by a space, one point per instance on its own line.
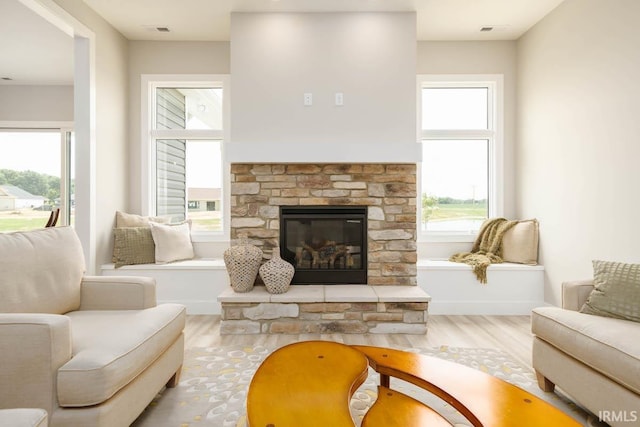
x=157 y=28
x=495 y=28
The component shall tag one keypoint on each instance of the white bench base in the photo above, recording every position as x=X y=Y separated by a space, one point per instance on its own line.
x=511 y=289
x=194 y=283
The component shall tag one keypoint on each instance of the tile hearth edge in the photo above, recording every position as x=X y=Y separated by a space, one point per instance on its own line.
x=326 y=309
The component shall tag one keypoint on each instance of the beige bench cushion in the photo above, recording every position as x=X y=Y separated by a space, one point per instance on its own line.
x=605 y=344
x=23 y=417
x=110 y=348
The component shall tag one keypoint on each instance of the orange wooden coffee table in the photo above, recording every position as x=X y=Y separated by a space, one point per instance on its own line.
x=486 y=401
x=310 y=383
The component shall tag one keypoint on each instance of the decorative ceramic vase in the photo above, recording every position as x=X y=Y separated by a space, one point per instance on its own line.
x=242 y=262
x=277 y=273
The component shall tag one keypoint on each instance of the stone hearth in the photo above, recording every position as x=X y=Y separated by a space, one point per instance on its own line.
x=317 y=309
x=389 y=191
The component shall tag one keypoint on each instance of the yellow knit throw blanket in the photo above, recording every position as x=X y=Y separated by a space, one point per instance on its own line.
x=487 y=248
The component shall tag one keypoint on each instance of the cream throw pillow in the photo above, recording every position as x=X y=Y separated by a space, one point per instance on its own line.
x=520 y=243
x=173 y=241
x=124 y=219
x=616 y=291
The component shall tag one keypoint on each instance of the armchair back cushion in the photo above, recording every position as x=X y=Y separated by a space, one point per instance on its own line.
x=40 y=271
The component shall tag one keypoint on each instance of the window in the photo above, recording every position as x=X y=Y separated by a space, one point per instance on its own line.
x=184 y=159
x=35 y=177
x=462 y=160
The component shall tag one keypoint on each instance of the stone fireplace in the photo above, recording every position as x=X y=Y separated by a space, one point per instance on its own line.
x=387 y=192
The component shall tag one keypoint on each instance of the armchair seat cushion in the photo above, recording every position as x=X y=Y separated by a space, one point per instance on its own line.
x=605 y=344
x=110 y=348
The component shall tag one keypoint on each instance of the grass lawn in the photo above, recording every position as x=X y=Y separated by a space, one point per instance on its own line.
x=458 y=211
x=209 y=224
x=22 y=220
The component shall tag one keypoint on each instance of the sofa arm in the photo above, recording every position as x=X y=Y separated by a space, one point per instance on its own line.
x=117 y=293
x=575 y=293
x=23 y=417
x=32 y=349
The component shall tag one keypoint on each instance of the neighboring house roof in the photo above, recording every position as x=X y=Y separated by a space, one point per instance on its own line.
x=18 y=193
x=204 y=193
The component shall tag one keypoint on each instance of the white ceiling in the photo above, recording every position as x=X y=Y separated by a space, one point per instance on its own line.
x=436 y=19
x=32 y=51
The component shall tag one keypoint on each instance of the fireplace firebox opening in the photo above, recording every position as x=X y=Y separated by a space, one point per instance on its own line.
x=325 y=244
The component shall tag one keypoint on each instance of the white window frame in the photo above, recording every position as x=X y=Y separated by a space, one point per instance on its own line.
x=149 y=83
x=64 y=128
x=495 y=84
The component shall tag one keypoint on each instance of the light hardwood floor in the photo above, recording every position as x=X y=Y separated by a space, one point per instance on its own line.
x=512 y=334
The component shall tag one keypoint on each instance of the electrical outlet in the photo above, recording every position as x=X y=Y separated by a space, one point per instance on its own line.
x=339 y=99
x=308 y=99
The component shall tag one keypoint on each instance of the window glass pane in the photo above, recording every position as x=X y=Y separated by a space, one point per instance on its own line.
x=454 y=108
x=189 y=182
x=30 y=168
x=71 y=206
x=204 y=185
x=454 y=185
x=189 y=108
x=171 y=181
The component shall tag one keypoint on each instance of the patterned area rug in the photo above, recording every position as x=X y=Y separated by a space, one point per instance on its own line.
x=214 y=384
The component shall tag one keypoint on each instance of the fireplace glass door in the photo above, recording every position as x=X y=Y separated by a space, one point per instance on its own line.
x=325 y=244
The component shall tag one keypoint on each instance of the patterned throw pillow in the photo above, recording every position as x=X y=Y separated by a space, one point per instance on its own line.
x=133 y=245
x=616 y=291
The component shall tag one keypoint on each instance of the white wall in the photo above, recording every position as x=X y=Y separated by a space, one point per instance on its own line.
x=112 y=174
x=578 y=126
x=277 y=57
x=36 y=103
x=154 y=57
x=476 y=57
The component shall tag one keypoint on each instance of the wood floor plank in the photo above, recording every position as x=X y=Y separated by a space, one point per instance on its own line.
x=511 y=334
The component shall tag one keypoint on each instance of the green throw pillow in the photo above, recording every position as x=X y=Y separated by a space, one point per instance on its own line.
x=616 y=291
x=133 y=245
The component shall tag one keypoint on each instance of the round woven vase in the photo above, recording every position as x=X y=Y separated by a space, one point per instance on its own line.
x=242 y=262
x=276 y=273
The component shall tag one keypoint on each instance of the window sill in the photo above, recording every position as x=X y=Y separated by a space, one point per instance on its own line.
x=447 y=238
x=208 y=236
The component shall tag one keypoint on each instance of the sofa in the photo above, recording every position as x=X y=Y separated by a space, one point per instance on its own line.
x=594 y=359
x=91 y=351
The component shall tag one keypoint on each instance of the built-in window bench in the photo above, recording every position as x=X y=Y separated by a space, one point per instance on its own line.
x=511 y=289
x=452 y=287
x=326 y=309
x=195 y=283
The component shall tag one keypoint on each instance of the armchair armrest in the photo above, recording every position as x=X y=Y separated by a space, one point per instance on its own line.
x=32 y=348
x=117 y=293
x=575 y=293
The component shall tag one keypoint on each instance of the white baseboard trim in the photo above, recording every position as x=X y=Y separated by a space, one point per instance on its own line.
x=500 y=308
x=196 y=306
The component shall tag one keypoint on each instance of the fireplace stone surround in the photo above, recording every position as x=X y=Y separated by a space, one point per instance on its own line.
x=388 y=190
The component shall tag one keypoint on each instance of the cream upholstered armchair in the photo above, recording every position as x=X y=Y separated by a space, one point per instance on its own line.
x=91 y=351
